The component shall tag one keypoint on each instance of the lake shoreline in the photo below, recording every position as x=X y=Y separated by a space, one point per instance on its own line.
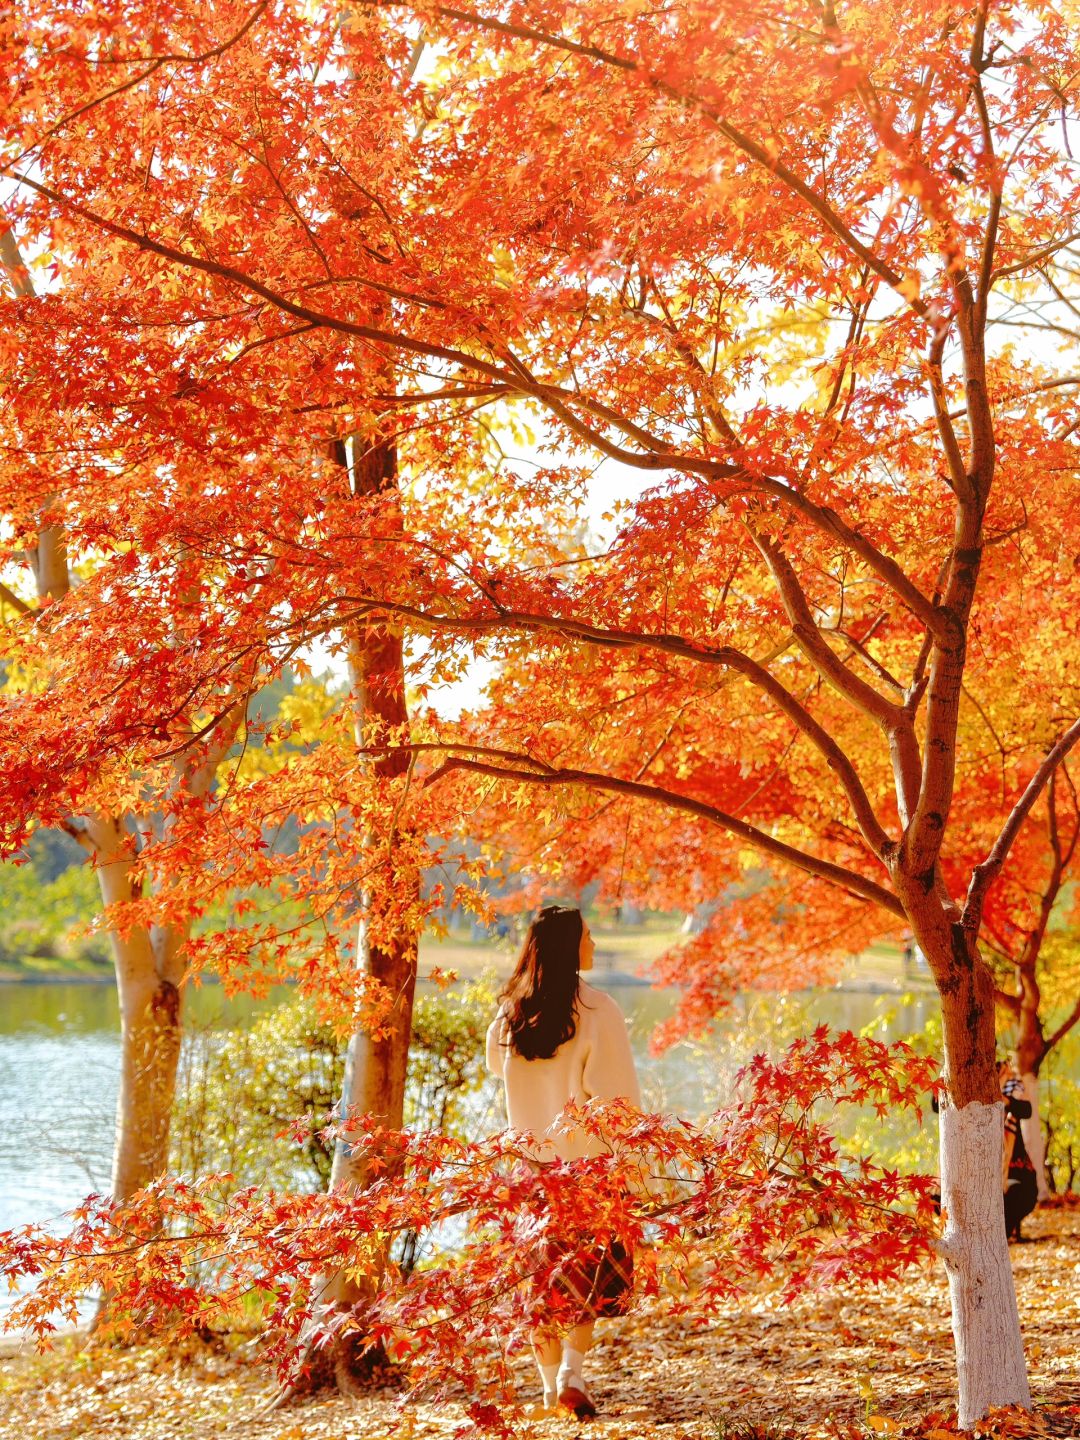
x=916 y=985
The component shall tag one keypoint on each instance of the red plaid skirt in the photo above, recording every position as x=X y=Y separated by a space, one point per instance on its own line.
x=585 y=1285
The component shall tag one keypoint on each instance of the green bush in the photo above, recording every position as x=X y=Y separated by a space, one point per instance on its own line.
x=1060 y=1107
x=240 y=1092
x=45 y=905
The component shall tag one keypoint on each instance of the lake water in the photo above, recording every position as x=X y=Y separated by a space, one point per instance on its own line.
x=59 y=1063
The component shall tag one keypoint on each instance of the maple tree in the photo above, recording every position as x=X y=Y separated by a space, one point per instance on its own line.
x=774 y=258
x=113 y=824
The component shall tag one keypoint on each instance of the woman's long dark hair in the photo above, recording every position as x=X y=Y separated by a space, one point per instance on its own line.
x=542 y=994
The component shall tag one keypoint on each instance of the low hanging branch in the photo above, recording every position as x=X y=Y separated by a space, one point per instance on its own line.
x=761 y=1191
x=516 y=766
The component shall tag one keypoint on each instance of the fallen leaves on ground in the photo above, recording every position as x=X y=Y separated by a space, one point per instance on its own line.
x=835 y=1367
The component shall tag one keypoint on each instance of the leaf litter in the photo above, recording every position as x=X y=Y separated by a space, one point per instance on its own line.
x=842 y=1366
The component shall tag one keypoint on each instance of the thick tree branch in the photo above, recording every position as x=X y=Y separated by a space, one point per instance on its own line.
x=13 y=262
x=923 y=836
x=814 y=645
x=824 y=518
x=527 y=769
x=725 y=656
x=513 y=376
x=559 y=401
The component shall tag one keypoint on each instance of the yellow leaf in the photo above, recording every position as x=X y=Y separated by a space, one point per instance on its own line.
x=881 y=1424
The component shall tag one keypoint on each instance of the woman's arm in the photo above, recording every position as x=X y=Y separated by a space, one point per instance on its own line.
x=496 y=1051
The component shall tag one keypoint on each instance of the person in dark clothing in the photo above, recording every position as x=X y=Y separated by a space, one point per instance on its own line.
x=1017 y=1172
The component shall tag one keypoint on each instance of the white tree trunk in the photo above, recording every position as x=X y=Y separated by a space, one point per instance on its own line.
x=150 y=1031
x=986 y=1328
x=1032 y=1132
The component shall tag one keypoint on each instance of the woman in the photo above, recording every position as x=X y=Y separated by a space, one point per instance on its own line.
x=556 y=1039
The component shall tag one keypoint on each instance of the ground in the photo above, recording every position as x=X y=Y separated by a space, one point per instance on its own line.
x=836 y=1368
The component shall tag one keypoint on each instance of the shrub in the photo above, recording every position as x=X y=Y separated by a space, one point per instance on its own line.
x=241 y=1090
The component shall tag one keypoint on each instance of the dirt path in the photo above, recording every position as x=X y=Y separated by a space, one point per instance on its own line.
x=816 y=1371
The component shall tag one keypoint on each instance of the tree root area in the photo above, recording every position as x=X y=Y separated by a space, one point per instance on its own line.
x=837 y=1367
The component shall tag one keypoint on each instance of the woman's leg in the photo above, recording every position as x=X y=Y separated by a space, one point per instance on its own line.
x=548 y=1353
x=1020 y=1199
x=546 y=1347
x=572 y=1391
x=580 y=1338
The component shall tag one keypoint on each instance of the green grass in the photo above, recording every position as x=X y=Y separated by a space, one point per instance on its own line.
x=29 y=968
x=618 y=947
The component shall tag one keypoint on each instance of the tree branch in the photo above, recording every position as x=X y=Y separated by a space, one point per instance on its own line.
x=1066 y=1025
x=987 y=871
x=827 y=520
x=749 y=147
x=1007 y=1000
x=527 y=769
x=14 y=601
x=959 y=478
x=813 y=644
x=986 y=265
x=517 y=380
x=155 y=64
x=725 y=656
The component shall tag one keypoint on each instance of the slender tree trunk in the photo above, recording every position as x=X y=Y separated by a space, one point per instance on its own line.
x=985 y=1320
x=376 y=1064
x=149 y=1001
x=150 y=1024
x=149 y=970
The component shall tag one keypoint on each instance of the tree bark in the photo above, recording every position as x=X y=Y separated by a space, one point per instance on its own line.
x=150 y=1023
x=991 y=1369
x=376 y=1064
x=986 y=1323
